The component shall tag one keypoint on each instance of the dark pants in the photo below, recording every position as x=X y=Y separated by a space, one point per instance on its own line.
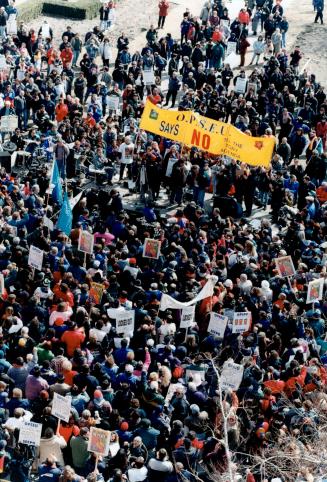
x=176 y=195
x=173 y=95
x=161 y=21
x=319 y=16
x=122 y=170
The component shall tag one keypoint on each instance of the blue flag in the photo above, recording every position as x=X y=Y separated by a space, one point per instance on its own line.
x=65 y=219
x=57 y=189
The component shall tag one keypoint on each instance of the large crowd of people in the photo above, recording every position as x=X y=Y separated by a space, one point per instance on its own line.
x=158 y=389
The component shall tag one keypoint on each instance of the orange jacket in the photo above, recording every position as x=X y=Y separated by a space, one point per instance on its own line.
x=61 y=111
x=244 y=17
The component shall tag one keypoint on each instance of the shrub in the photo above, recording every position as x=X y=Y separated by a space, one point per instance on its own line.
x=84 y=9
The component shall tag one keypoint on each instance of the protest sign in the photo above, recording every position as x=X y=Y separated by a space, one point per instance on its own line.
x=252 y=86
x=48 y=223
x=216 y=137
x=240 y=86
x=217 y=324
x=99 y=441
x=241 y=321
x=2 y=284
x=151 y=248
x=9 y=123
x=231 y=48
x=231 y=375
x=315 y=290
x=285 y=266
x=225 y=23
x=113 y=102
x=61 y=407
x=3 y=62
x=125 y=322
x=95 y=293
x=196 y=373
x=35 y=257
x=86 y=242
x=30 y=433
x=148 y=77
x=187 y=316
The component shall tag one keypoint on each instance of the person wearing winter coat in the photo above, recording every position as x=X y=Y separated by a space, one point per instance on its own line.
x=52 y=445
x=276 y=39
x=205 y=12
x=258 y=49
x=320 y=9
x=173 y=88
x=163 y=12
x=256 y=20
x=105 y=52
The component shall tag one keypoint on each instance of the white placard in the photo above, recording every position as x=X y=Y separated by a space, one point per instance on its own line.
x=170 y=166
x=241 y=83
x=9 y=123
x=2 y=284
x=187 y=316
x=61 y=407
x=48 y=223
x=231 y=376
x=35 y=257
x=217 y=324
x=125 y=321
x=241 y=321
x=113 y=102
x=30 y=433
x=231 y=48
x=198 y=375
x=148 y=77
x=86 y=242
x=3 y=63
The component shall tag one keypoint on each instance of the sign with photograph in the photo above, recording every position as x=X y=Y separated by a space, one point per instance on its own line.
x=99 y=441
x=315 y=290
x=86 y=242
x=285 y=266
x=151 y=248
x=95 y=293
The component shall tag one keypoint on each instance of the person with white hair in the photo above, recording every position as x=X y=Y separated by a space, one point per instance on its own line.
x=244 y=285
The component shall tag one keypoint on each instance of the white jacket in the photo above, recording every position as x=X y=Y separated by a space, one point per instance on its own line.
x=52 y=446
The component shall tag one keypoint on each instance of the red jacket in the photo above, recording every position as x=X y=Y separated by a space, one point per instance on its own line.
x=163 y=8
x=244 y=17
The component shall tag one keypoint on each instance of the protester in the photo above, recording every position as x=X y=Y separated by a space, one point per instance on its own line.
x=115 y=307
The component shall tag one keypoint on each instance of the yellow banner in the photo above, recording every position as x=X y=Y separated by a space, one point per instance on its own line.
x=207 y=134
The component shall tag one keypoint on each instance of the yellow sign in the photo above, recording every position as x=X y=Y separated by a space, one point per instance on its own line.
x=207 y=134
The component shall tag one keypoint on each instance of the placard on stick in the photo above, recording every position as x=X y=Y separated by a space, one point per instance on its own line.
x=217 y=324
x=125 y=321
x=85 y=242
x=30 y=433
x=231 y=375
x=99 y=441
x=151 y=248
x=35 y=257
x=285 y=266
x=61 y=407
